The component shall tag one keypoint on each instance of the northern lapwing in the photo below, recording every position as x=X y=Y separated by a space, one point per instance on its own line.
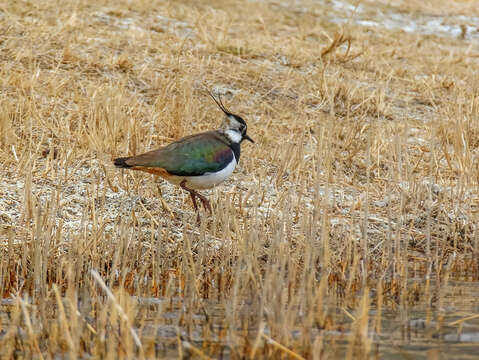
x=196 y=162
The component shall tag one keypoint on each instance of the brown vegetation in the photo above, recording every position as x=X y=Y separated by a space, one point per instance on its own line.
x=356 y=207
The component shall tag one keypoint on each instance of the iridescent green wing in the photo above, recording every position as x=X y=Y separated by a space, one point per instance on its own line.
x=190 y=156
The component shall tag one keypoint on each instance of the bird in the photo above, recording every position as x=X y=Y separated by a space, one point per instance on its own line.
x=196 y=162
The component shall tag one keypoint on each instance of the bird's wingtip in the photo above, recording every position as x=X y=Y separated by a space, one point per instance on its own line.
x=121 y=162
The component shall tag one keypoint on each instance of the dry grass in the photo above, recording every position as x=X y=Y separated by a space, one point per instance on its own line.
x=356 y=207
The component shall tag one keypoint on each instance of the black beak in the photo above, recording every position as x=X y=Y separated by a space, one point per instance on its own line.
x=245 y=136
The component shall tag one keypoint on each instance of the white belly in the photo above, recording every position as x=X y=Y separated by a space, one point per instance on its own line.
x=207 y=180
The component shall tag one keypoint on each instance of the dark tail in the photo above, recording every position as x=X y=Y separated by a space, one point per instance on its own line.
x=121 y=162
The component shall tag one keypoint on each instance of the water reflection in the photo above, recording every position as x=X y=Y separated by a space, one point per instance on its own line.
x=446 y=328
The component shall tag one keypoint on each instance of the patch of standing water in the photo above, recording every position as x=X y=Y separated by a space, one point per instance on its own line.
x=450 y=26
x=449 y=322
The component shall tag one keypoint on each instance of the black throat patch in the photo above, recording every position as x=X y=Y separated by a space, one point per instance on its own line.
x=236 y=150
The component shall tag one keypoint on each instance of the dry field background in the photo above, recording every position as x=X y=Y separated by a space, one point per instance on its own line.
x=348 y=230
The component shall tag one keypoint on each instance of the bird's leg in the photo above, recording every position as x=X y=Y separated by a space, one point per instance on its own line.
x=205 y=202
x=193 y=198
x=194 y=194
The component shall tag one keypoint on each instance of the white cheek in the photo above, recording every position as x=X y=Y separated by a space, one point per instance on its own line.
x=233 y=135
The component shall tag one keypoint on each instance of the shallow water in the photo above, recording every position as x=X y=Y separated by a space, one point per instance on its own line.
x=448 y=328
x=391 y=19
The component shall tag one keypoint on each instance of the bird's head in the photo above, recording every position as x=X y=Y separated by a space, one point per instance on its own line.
x=233 y=126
